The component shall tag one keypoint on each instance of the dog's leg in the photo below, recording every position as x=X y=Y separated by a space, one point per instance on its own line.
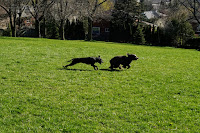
x=71 y=64
x=95 y=67
x=111 y=67
x=124 y=66
x=120 y=67
x=129 y=66
x=116 y=65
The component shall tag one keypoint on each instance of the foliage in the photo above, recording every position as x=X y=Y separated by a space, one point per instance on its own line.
x=107 y=5
x=193 y=43
x=159 y=93
x=74 y=30
x=125 y=11
x=124 y=22
x=52 y=30
x=7 y=32
x=138 y=36
x=192 y=6
x=179 y=32
x=147 y=34
x=155 y=36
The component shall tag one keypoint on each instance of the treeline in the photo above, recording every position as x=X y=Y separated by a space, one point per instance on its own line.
x=73 y=19
x=174 y=34
x=54 y=14
x=128 y=25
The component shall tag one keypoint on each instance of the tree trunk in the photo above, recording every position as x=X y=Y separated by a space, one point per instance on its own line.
x=44 y=28
x=62 y=30
x=89 y=37
x=37 y=28
x=13 y=26
x=13 y=31
x=19 y=21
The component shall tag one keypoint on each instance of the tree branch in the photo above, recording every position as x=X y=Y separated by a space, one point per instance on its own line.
x=5 y=9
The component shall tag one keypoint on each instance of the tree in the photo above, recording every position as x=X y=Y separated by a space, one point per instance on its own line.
x=179 y=31
x=126 y=18
x=64 y=9
x=193 y=6
x=40 y=7
x=20 y=9
x=10 y=6
x=52 y=29
x=139 y=36
x=147 y=34
x=91 y=7
x=147 y=5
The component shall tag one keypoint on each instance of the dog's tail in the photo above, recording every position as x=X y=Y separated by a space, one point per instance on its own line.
x=70 y=60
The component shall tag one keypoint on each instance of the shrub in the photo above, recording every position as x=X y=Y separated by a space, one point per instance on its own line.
x=193 y=43
x=52 y=30
x=7 y=32
x=178 y=32
x=138 y=36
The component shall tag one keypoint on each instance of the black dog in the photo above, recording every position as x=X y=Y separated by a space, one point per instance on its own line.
x=125 y=61
x=88 y=60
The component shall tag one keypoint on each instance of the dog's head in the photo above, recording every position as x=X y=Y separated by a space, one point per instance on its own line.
x=99 y=60
x=132 y=56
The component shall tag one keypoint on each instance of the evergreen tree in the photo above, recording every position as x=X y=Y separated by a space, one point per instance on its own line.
x=125 y=18
x=7 y=32
x=138 y=36
x=178 y=32
x=147 y=34
x=52 y=30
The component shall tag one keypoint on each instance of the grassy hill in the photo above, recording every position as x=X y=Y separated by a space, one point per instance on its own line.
x=159 y=93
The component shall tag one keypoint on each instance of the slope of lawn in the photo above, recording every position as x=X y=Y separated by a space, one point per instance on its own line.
x=159 y=93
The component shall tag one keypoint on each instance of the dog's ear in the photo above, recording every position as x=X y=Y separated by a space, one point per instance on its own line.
x=99 y=56
x=128 y=54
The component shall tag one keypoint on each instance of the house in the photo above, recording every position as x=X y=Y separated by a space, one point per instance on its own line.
x=101 y=30
x=4 y=20
x=153 y=14
x=160 y=17
x=196 y=26
x=157 y=3
x=26 y=17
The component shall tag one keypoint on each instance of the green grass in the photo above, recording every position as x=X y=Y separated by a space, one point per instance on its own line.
x=159 y=93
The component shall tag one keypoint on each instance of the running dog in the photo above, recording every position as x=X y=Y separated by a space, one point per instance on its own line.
x=88 y=60
x=125 y=61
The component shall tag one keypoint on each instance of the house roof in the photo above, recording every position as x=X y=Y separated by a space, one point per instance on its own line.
x=2 y=11
x=153 y=14
x=155 y=1
x=159 y=1
x=3 y=14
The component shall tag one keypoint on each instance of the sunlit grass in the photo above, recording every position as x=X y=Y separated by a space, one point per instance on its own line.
x=159 y=93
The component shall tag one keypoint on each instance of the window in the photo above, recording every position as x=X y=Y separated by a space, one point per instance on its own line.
x=27 y=21
x=107 y=30
x=96 y=30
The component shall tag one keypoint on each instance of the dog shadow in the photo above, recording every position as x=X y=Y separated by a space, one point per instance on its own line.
x=110 y=70
x=68 y=69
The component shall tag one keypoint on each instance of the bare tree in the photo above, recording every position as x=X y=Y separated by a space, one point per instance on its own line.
x=20 y=9
x=193 y=6
x=40 y=7
x=14 y=9
x=64 y=9
x=91 y=7
x=10 y=7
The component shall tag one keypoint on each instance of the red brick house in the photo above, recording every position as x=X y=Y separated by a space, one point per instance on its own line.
x=101 y=30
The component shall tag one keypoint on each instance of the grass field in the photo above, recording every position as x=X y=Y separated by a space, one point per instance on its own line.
x=159 y=93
